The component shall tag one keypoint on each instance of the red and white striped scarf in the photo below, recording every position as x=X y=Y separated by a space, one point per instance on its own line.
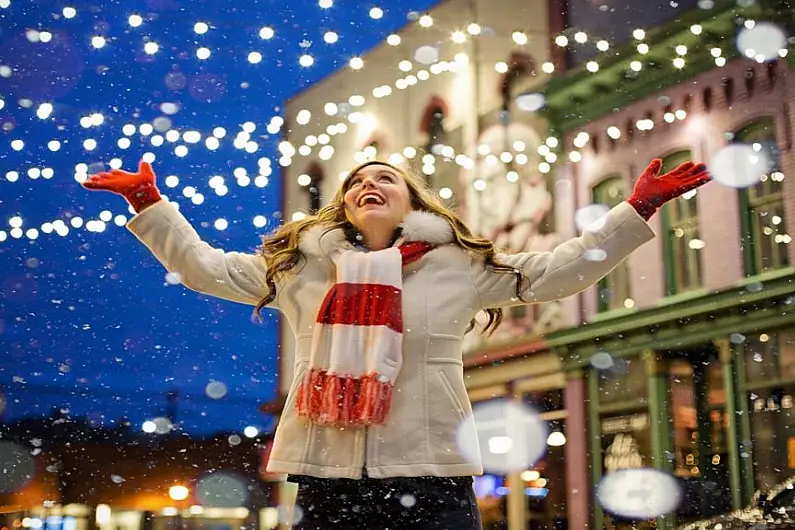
x=357 y=343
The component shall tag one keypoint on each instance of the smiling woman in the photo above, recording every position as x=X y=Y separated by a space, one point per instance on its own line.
x=376 y=199
x=379 y=287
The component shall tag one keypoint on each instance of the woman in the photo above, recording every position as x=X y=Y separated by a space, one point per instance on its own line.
x=379 y=288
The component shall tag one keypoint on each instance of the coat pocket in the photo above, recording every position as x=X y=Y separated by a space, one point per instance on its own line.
x=451 y=394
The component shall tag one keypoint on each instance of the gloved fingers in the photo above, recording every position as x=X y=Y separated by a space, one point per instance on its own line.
x=145 y=168
x=681 y=169
x=653 y=169
x=696 y=170
x=693 y=182
x=97 y=181
x=120 y=173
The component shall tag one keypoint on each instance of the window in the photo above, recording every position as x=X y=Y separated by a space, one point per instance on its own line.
x=433 y=125
x=770 y=357
x=520 y=65
x=770 y=391
x=314 y=187
x=682 y=243
x=624 y=382
x=613 y=290
x=436 y=132
x=626 y=443
x=772 y=411
x=764 y=232
x=699 y=421
x=545 y=482
x=372 y=149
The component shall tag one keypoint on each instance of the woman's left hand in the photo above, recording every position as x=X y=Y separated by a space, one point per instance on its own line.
x=652 y=190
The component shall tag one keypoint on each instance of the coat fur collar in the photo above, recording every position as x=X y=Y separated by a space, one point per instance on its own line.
x=416 y=226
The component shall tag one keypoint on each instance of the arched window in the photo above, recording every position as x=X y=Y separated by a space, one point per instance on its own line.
x=432 y=124
x=764 y=230
x=519 y=65
x=314 y=187
x=682 y=242
x=371 y=149
x=613 y=290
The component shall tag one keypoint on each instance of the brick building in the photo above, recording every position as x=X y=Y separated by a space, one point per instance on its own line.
x=694 y=330
x=685 y=348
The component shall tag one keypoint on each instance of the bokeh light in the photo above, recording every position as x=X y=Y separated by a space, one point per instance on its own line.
x=641 y=493
x=511 y=436
x=740 y=165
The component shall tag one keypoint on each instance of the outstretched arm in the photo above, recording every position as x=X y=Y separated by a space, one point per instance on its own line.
x=568 y=269
x=582 y=261
x=234 y=276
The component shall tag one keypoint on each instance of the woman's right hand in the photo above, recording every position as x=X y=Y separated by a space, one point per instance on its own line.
x=138 y=188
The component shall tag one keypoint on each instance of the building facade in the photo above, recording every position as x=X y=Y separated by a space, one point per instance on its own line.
x=679 y=359
x=424 y=97
x=684 y=349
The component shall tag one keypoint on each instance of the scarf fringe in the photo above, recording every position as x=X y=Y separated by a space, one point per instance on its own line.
x=343 y=401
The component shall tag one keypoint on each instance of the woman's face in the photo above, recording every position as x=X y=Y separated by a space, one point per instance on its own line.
x=376 y=198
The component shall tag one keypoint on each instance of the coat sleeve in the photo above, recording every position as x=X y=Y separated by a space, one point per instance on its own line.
x=233 y=276
x=568 y=269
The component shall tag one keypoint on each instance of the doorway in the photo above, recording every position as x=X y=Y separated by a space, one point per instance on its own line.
x=699 y=429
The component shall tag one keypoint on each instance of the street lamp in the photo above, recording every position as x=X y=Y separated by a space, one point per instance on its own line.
x=179 y=493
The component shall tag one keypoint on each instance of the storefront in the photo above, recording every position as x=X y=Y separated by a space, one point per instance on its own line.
x=547 y=494
x=535 y=497
x=767 y=387
x=701 y=389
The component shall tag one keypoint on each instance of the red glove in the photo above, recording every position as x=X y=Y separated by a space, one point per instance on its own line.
x=138 y=188
x=652 y=191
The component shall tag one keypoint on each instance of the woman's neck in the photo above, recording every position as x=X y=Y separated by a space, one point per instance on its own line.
x=377 y=241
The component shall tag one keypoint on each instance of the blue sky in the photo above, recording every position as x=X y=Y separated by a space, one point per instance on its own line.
x=88 y=322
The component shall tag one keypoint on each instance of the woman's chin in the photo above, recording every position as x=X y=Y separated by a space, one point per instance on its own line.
x=376 y=215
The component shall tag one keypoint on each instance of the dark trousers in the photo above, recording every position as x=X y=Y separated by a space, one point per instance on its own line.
x=403 y=503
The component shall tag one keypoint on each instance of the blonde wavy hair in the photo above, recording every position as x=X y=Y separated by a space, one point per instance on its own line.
x=281 y=252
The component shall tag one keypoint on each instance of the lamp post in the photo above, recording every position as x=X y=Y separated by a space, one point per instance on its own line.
x=178 y=494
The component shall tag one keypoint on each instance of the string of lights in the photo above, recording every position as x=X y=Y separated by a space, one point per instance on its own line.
x=159 y=134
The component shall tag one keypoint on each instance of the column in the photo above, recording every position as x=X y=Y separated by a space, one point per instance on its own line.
x=516 y=502
x=729 y=382
x=594 y=432
x=744 y=427
x=659 y=419
x=286 y=495
x=577 y=485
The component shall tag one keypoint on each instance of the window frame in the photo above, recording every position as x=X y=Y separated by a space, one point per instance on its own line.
x=753 y=260
x=598 y=194
x=675 y=268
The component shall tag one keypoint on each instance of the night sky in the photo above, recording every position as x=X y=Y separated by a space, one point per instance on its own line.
x=88 y=321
